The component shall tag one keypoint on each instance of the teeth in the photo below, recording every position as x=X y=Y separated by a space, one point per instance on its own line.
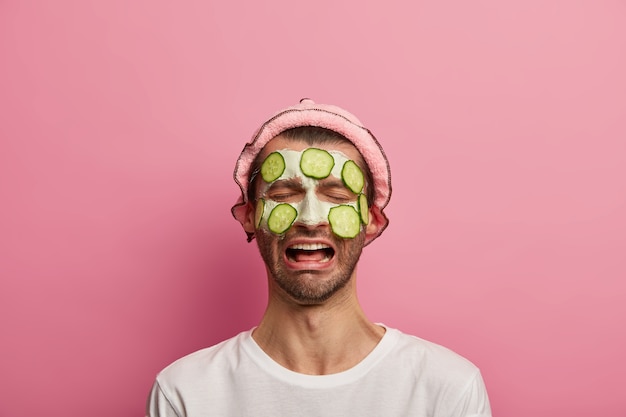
x=309 y=246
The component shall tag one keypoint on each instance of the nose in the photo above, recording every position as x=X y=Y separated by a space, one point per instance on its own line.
x=312 y=212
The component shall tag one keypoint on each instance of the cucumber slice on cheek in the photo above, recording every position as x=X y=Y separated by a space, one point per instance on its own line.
x=364 y=209
x=281 y=218
x=344 y=221
x=258 y=214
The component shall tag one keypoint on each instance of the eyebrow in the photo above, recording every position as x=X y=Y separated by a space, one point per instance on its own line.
x=291 y=183
x=331 y=183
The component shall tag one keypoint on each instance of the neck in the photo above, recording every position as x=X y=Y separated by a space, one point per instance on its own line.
x=317 y=339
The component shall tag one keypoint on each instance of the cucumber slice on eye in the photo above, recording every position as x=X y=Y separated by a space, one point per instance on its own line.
x=352 y=176
x=364 y=210
x=258 y=214
x=344 y=221
x=273 y=167
x=281 y=218
x=316 y=163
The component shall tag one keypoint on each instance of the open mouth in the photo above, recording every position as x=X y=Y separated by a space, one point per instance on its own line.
x=310 y=252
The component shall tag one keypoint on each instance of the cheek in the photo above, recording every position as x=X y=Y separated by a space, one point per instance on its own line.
x=278 y=218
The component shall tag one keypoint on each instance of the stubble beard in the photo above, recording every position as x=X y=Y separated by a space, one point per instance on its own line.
x=307 y=286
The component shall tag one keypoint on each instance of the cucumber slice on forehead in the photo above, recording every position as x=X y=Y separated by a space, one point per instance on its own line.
x=273 y=167
x=364 y=210
x=344 y=221
x=352 y=176
x=281 y=218
x=316 y=163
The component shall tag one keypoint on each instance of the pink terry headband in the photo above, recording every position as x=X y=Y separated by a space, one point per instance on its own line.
x=308 y=113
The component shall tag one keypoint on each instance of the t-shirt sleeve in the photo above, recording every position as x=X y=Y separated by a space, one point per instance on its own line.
x=474 y=401
x=158 y=404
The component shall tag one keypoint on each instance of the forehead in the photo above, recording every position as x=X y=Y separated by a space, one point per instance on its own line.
x=281 y=142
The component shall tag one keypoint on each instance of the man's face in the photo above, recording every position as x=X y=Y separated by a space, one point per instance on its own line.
x=307 y=260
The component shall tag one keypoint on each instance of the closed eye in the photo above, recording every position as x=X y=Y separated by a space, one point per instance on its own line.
x=335 y=191
x=281 y=196
x=339 y=197
x=284 y=191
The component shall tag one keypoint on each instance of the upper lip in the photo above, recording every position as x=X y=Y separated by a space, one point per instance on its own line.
x=310 y=244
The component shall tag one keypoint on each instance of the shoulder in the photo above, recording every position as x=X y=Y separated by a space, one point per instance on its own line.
x=452 y=380
x=204 y=362
x=432 y=359
x=197 y=375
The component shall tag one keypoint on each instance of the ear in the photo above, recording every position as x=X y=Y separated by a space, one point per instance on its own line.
x=377 y=224
x=248 y=221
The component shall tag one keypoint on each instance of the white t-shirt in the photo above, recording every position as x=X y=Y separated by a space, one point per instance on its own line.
x=403 y=376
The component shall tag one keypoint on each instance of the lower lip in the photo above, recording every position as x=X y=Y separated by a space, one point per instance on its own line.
x=308 y=265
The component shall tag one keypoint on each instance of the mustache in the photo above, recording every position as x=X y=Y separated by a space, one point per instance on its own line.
x=296 y=231
x=310 y=233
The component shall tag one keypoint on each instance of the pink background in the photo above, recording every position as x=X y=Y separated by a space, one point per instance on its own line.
x=120 y=122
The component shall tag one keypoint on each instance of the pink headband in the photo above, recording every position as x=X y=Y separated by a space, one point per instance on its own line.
x=308 y=113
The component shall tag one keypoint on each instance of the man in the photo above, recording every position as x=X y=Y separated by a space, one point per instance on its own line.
x=314 y=184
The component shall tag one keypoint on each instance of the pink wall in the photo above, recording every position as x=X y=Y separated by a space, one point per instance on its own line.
x=505 y=123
